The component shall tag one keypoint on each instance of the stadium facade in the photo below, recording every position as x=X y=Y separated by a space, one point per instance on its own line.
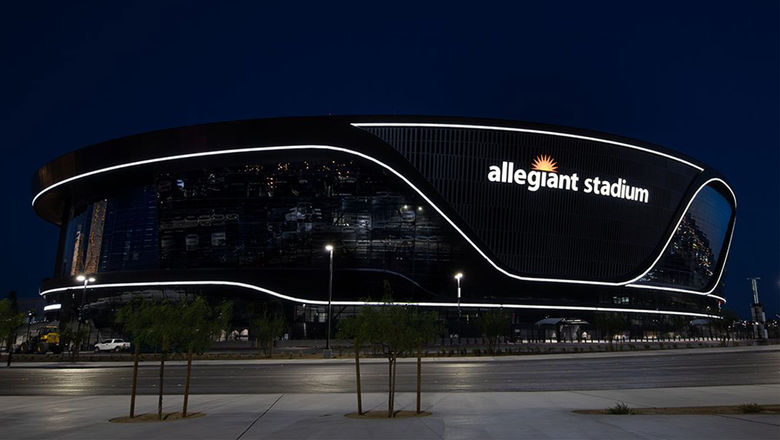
x=541 y=220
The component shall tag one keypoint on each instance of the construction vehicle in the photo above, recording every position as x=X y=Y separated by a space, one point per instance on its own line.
x=47 y=339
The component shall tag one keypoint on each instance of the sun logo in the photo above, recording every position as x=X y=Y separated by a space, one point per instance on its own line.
x=544 y=162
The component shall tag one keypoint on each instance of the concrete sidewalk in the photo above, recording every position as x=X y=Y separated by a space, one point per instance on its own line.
x=532 y=415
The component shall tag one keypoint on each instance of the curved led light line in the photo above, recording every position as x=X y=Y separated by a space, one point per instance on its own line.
x=722 y=267
x=622 y=144
x=369 y=158
x=375 y=303
x=523 y=130
x=720 y=275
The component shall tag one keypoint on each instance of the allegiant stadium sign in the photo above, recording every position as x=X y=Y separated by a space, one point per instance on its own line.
x=544 y=174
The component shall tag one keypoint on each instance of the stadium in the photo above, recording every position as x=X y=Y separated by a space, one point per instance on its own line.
x=539 y=220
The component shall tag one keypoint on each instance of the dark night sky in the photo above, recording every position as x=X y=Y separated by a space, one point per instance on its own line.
x=697 y=77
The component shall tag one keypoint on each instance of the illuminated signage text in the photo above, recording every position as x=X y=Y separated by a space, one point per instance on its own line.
x=545 y=175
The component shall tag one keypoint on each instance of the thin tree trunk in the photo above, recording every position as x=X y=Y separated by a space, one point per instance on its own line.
x=395 y=366
x=419 y=374
x=135 y=380
x=390 y=387
x=357 y=377
x=160 y=399
x=187 y=383
x=10 y=348
x=270 y=347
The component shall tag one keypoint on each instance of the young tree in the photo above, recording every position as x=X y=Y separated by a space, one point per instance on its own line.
x=679 y=324
x=72 y=336
x=610 y=324
x=155 y=324
x=198 y=325
x=136 y=319
x=133 y=318
x=353 y=328
x=165 y=326
x=389 y=328
x=10 y=320
x=493 y=325
x=427 y=327
x=266 y=328
x=724 y=323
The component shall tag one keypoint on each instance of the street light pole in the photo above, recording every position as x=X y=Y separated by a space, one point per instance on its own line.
x=86 y=281
x=329 y=248
x=30 y=315
x=458 y=276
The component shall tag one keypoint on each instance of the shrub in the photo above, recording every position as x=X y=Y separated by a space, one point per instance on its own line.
x=750 y=408
x=620 y=408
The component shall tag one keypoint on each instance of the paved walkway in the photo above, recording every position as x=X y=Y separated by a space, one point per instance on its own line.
x=532 y=415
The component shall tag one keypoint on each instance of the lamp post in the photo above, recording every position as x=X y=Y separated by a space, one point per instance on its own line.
x=329 y=248
x=86 y=280
x=30 y=315
x=458 y=276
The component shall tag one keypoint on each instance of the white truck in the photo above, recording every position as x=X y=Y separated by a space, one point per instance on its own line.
x=112 y=345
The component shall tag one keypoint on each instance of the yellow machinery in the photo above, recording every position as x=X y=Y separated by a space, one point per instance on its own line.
x=47 y=339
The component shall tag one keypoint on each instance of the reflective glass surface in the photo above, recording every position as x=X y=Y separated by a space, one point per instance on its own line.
x=691 y=260
x=115 y=234
x=282 y=214
x=265 y=214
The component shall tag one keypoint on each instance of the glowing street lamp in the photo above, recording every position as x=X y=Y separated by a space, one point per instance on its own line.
x=86 y=280
x=458 y=276
x=329 y=249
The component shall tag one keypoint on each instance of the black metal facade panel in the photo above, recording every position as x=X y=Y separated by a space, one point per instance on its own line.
x=550 y=233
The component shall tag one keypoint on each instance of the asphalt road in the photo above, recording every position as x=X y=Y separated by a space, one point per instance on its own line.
x=574 y=372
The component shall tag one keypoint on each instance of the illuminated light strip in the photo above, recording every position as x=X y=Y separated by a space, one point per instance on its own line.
x=375 y=303
x=52 y=307
x=672 y=289
x=364 y=156
x=722 y=267
x=523 y=130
